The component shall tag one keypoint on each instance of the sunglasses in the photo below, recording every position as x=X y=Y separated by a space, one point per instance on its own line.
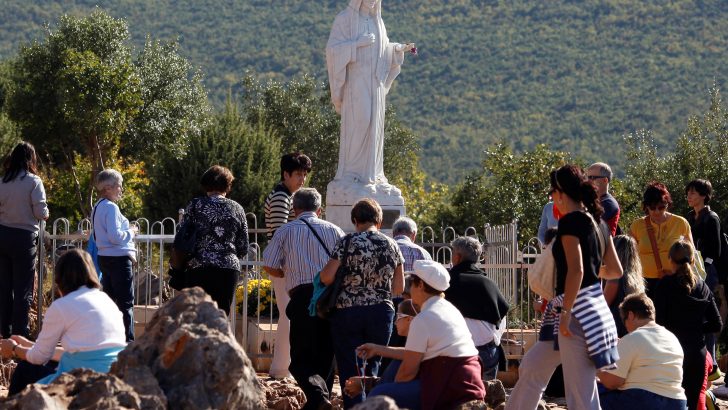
x=401 y=316
x=657 y=207
x=593 y=177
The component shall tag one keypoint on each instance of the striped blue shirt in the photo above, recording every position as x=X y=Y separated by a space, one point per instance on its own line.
x=295 y=250
x=411 y=252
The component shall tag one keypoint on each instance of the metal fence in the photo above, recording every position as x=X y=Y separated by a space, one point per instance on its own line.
x=502 y=261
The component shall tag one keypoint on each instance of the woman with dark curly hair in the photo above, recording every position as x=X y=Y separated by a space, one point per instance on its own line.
x=221 y=240
x=583 y=253
x=656 y=232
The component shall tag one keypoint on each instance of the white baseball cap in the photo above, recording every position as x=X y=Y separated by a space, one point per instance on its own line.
x=432 y=273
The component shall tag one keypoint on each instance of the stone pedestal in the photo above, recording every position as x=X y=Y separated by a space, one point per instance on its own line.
x=341 y=196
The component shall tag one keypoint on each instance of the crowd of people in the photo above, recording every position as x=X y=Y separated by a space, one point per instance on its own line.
x=632 y=323
x=657 y=347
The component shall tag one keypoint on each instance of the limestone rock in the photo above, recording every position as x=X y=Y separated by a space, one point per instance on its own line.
x=189 y=348
x=283 y=394
x=33 y=398
x=495 y=393
x=473 y=405
x=377 y=403
x=79 y=389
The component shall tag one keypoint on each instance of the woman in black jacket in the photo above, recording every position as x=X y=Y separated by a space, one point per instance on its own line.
x=705 y=226
x=685 y=306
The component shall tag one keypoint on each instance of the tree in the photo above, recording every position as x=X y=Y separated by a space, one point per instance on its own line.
x=301 y=113
x=174 y=103
x=251 y=152
x=511 y=186
x=701 y=151
x=79 y=91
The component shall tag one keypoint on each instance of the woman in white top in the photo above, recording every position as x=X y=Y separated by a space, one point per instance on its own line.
x=114 y=238
x=84 y=320
x=439 y=348
x=22 y=204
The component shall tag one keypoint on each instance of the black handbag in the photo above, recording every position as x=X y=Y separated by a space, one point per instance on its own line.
x=326 y=303
x=183 y=246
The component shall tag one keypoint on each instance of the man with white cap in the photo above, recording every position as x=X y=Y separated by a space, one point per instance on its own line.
x=439 y=346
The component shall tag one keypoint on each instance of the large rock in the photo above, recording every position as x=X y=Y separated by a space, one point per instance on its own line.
x=190 y=351
x=495 y=393
x=283 y=394
x=79 y=389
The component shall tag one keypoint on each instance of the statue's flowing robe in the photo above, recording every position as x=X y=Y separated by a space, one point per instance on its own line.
x=360 y=78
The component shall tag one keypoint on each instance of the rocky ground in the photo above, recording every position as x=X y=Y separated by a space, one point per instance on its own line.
x=188 y=358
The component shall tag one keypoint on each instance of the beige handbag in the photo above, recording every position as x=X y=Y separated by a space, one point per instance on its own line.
x=542 y=274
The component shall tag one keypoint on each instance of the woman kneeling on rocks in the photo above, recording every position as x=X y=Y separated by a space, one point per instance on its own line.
x=439 y=347
x=84 y=319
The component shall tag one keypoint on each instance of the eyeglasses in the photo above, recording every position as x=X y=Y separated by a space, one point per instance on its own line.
x=593 y=177
x=401 y=316
x=657 y=207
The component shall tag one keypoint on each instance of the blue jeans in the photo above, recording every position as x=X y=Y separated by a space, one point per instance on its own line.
x=489 y=356
x=118 y=283
x=406 y=394
x=638 y=399
x=350 y=328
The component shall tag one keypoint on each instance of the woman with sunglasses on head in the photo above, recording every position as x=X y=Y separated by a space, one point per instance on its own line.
x=656 y=232
x=578 y=330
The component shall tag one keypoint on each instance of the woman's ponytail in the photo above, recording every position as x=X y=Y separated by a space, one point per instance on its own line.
x=681 y=253
x=590 y=199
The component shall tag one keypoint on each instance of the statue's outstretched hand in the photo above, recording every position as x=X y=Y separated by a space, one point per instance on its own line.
x=405 y=47
x=365 y=40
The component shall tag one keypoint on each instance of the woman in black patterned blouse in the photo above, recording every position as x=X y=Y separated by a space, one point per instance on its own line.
x=364 y=309
x=222 y=238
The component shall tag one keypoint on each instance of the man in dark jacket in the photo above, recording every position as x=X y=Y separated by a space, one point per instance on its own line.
x=479 y=301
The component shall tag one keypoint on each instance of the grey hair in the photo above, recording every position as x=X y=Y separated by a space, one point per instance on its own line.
x=307 y=200
x=604 y=169
x=468 y=247
x=108 y=178
x=404 y=226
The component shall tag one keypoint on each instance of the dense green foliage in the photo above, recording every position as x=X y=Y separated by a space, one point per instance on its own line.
x=252 y=154
x=79 y=92
x=572 y=75
x=300 y=113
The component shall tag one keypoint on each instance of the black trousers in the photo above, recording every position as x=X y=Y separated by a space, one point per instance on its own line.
x=219 y=283
x=693 y=374
x=312 y=351
x=17 y=275
x=117 y=278
x=26 y=373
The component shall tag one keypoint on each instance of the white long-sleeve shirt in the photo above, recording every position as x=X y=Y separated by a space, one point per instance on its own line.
x=84 y=320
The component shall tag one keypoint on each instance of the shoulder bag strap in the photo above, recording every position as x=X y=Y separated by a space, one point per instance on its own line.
x=600 y=236
x=323 y=245
x=93 y=218
x=653 y=242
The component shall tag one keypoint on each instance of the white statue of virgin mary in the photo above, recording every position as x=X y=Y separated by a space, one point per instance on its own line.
x=362 y=64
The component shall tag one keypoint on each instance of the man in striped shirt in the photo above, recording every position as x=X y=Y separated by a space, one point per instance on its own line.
x=404 y=231
x=297 y=251
x=278 y=211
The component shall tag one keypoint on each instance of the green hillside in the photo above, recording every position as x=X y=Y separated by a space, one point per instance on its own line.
x=574 y=74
